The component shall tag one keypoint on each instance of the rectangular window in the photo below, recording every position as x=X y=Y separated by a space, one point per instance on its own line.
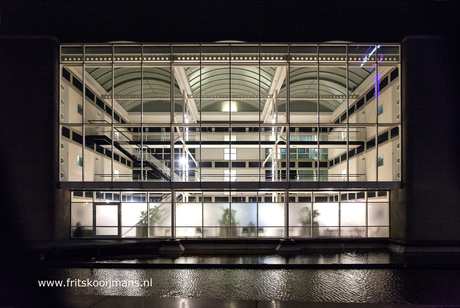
x=383 y=83
x=89 y=94
x=66 y=132
x=305 y=164
x=394 y=132
x=382 y=138
x=229 y=175
x=77 y=84
x=394 y=74
x=229 y=154
x=239 y=164
x=77 y=137
x=100 y=103
x=370 y=95
x=228 y=138
x=305 y=175
x=370 y=144
x=380 y=109
x=380 y=161
x=351 y=110
x=79 y=161
x=80 y=109
x=66 y=74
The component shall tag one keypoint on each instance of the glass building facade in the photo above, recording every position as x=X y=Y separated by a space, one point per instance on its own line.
x=230 y=140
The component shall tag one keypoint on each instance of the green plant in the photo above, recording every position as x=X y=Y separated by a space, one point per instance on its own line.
x=306 y=218
x=228 y=218
x=154 y=215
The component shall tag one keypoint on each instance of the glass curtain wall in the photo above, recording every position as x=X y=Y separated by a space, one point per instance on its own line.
x=230 y=112
x=224 y=214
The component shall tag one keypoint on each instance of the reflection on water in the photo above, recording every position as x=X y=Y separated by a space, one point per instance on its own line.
x=392 y=286
x=379 y=257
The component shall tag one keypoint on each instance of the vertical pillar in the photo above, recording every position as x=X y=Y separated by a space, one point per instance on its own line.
x=425 y=211
x=33 y=207
x=173 y=215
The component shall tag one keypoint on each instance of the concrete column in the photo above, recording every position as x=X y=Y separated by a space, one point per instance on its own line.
x=426 y=211
x=29 y=87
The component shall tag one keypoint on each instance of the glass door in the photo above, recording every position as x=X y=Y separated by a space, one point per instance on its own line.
x=107 y=219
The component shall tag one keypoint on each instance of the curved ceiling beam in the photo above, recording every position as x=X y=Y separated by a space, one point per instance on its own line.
x=184 y=85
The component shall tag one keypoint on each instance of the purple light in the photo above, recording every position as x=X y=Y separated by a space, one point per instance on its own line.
x=365 y=57
x=365 y=54
x=377 y=84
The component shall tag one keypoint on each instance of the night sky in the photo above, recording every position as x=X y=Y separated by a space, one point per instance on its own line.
x=251 y=21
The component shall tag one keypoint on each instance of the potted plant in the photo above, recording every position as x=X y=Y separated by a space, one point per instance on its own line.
x=306 y=217
x=227 y=221
x=148 y=218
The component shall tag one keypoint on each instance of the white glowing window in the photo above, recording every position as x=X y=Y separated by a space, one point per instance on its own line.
x=229 y=154
x=230 y=175
x=116 y=173
x=229 y=106
x=227 y=137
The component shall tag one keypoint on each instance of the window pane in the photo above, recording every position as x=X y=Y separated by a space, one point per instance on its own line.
x=353 y=232
x=379 y=232
x=188 y=214
x=378 y=214
x=271 y=214
x=159 y=214
x=300 y=214
x=82 y=214
x=218 y=214
x=328 y=214
x=353 y=214
x=245 y=214
x=134 y=214
x=107 y=215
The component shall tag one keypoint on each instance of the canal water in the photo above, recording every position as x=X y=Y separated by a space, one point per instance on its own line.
x=365 y=257
x=399 y=285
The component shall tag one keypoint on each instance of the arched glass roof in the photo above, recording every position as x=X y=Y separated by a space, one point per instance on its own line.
x=250 y=76
x=211 y=86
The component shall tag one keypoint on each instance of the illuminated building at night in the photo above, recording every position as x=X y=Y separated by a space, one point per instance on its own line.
x=235 y=141
x=230 y=140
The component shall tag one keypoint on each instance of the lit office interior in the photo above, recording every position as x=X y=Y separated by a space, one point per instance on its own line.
x=225 y=113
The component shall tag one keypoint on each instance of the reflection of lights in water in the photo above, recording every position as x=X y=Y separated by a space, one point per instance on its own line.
x=389 y=286
x=273 y=259
x=185 y=283
x=187 y=260
x=120 y=282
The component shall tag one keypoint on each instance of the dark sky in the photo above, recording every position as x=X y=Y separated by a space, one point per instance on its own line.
x=207 y=21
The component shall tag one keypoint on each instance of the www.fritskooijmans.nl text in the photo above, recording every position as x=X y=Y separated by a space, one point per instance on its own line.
x=90 y=283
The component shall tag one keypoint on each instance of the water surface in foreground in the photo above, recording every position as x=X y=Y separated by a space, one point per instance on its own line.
x=391 y=286
x=374 y=257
